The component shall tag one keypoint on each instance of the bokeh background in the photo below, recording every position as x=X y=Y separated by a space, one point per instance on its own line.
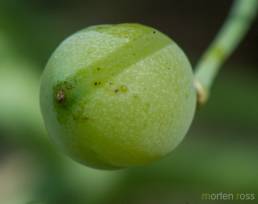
x=219 y=154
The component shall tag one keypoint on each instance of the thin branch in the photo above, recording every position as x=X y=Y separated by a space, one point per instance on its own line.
x=232 y=32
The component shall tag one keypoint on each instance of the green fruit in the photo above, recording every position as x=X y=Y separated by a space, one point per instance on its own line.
x=115 y=96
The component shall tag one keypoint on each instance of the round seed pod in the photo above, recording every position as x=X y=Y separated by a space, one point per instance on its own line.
x=115 y=96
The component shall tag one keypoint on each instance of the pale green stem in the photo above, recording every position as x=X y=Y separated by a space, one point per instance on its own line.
x=234 y=29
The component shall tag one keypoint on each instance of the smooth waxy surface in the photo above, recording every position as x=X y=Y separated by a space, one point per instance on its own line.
x=114 y=96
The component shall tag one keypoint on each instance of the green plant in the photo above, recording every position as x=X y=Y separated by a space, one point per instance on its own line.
x=114 y=96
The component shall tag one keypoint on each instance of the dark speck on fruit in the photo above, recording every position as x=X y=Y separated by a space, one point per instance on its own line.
x=60 y=96
x=96 y=83
x=116 y=90
x=61 y=91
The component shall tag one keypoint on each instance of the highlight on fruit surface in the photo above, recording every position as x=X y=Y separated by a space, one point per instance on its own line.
x=115 y=96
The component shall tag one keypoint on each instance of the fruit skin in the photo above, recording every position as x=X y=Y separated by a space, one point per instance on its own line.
x=115 y=96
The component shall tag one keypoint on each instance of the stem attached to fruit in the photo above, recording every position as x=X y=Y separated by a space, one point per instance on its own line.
x=234 y=29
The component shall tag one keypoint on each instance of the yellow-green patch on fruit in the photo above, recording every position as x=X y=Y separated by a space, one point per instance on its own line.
x=115 y=96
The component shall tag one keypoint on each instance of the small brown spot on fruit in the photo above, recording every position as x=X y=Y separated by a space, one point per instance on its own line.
x=116 y=90
x=60 y=96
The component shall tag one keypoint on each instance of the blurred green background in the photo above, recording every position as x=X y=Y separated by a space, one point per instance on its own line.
x=219 y=154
